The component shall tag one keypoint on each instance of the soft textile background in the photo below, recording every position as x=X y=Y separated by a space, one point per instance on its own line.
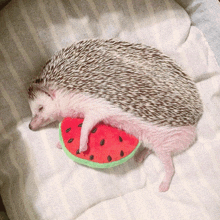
x=37 y=180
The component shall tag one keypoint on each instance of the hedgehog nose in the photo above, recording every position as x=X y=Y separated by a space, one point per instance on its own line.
x=30 y=127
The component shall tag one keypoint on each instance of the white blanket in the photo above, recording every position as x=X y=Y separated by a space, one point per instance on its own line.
x=38 y=181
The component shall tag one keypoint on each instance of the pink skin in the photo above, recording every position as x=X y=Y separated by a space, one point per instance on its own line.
x=37 y=122
x=59 y=146
x=169 y=145
x=163 y=141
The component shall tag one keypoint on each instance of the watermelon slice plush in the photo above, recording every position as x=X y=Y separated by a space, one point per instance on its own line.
x=107 y=146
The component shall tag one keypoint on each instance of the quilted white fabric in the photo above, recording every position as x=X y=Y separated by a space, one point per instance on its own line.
x=38 y=181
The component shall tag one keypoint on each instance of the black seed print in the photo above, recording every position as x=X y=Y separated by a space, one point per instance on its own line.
x=102 y=142
x=120 y=139
x=80 y=125
x=77 y=152
x=94 y=130
x=70 y=140
x=109 y=158
x=68 y=129
x=122 y=153
x=91 y=157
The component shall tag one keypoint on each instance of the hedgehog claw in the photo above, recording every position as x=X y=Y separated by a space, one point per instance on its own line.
x=82 y=149
x=164 y=187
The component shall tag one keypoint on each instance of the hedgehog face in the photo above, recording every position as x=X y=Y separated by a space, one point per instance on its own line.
x=44 y=110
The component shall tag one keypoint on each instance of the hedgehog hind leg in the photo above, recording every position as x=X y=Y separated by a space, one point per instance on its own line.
x=175 y=141
x=167 y=161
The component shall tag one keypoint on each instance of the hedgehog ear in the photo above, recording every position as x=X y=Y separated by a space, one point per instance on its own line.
x=45 y=89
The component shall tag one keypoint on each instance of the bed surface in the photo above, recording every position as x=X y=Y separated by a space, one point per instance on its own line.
x=38 y=181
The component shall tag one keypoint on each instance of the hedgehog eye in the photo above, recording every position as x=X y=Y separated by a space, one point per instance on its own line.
x=40 y=108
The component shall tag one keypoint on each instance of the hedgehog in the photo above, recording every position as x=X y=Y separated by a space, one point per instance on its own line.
x=130 y=86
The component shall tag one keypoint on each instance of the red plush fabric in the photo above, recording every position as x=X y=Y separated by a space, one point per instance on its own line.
x=106 y=144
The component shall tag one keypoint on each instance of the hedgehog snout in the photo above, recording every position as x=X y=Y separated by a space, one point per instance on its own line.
x=34 y=124
x=30 y=127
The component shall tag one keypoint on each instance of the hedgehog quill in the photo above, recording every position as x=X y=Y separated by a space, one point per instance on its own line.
x=133 y=87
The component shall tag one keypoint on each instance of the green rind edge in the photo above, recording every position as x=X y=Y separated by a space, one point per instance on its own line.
x=95 y=164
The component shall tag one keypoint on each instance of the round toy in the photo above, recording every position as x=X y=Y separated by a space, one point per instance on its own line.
x=107 y=146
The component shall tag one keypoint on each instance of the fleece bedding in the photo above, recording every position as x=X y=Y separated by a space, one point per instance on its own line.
x=38 y=181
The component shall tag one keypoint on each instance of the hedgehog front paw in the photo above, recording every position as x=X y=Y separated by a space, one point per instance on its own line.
x=59 y=146
x=83 y=147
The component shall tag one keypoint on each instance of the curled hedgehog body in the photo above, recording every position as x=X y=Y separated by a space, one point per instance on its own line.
x=130 y=86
